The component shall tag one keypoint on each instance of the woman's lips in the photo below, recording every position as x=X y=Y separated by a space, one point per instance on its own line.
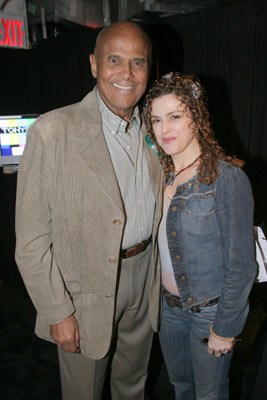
x=168 y=140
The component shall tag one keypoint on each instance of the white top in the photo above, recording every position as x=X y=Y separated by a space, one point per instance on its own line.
x=168 y=279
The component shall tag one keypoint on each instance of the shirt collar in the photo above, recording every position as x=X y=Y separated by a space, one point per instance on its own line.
x=113 y=121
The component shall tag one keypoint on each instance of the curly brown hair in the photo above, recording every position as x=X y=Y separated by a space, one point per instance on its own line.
x=190 y=92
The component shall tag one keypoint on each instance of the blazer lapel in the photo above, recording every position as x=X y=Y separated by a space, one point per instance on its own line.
x=93 y=149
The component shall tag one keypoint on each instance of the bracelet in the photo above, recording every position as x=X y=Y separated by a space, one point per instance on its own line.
x=221 y=338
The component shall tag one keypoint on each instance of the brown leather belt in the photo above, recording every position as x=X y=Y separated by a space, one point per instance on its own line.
x=133 y=251
x=175 y=301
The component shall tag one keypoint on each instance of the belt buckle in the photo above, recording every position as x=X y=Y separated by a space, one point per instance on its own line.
x=170 y=301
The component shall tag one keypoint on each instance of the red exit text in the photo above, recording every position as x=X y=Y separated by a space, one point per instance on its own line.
x=12 y=32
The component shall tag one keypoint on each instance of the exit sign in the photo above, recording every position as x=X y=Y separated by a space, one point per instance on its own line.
x=12 y=32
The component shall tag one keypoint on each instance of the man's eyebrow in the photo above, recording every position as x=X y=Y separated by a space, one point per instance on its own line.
x=140 y=58
x=113 y=56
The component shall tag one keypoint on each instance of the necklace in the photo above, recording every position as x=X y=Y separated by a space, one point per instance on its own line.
x=179 y=172
x=173 y=175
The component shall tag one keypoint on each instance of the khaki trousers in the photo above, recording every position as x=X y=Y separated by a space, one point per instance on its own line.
x=83 y=378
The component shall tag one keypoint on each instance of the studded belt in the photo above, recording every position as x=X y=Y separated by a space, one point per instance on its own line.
x=175 y=301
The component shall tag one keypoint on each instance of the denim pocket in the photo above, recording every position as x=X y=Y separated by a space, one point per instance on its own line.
x=207 y=312
x=200 y=205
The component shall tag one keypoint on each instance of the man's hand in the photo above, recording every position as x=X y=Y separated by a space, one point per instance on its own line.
x=66 y=334
x=219 y=347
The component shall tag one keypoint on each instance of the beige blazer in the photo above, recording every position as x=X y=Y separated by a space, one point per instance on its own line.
x=69 y=224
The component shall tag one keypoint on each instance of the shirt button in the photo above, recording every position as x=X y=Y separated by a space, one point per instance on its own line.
x=112 y=260
x=174 y=208
x=181 y=189
x=183 y=278
x=190 y=300
x=178 y=258
x=116 y=222
x=109 y=295
x=173 y=233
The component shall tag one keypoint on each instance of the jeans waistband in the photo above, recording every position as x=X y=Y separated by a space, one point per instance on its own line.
x=175 y=301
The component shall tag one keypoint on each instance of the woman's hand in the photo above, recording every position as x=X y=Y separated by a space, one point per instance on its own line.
x=219 y=347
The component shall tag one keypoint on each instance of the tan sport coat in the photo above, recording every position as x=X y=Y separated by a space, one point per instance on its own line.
x=69 y=224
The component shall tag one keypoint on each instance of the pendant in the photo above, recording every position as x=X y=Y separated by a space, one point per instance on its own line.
x=171 y=179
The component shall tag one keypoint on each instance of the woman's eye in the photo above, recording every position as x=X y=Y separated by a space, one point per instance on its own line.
x=176 y=116
x=154 y=121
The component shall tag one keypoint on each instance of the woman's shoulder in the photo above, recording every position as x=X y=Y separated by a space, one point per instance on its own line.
x=225 y=168
x=231 y=174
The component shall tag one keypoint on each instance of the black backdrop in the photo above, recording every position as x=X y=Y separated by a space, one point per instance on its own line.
x=225 y=47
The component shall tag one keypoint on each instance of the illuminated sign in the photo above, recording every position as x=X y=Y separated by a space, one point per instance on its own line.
x=13 y=134
x=12 y=32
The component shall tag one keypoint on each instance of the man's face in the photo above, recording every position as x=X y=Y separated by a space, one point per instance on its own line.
x=121 y=66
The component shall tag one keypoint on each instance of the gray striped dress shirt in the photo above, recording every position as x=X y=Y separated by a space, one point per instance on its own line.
x=127 y=151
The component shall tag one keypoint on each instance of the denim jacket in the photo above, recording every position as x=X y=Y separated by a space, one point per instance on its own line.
x=211 y=244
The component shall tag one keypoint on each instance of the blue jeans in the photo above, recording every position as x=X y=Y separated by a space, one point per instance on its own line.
x=195 y=374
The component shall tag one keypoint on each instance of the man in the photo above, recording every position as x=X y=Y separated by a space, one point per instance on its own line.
x=88 y=193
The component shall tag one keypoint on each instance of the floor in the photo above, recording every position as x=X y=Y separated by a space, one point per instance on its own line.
x=29 y=366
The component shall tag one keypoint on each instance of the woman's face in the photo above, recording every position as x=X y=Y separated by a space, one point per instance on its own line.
x=173 y=126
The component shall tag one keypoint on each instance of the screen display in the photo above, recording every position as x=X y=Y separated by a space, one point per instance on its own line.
x=13 y=135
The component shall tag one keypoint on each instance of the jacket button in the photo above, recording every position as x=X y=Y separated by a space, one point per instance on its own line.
x=173 y=233
x=190 y=300
x=183 y=202
x=178 y=258
x=116 y=222
x=181 y=189
x=112 y=260
x=183 y=278
x=174 y=208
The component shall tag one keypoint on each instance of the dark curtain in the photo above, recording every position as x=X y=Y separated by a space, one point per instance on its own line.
x=226 y=47
x=53 y=75
x=66 y=74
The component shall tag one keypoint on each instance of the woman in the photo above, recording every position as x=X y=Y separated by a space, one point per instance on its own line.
x=205 y=240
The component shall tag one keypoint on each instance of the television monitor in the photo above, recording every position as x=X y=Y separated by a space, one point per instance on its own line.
x=13 y=135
